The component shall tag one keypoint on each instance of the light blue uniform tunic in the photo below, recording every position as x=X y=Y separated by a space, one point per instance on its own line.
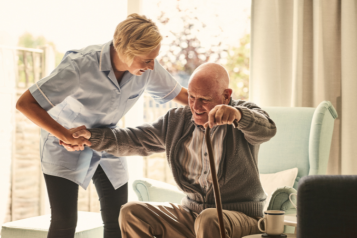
x=83 y=90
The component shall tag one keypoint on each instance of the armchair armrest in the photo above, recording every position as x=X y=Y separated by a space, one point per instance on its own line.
x=155 y=191
x=280 y=200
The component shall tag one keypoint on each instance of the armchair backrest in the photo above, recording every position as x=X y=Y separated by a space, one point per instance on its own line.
x=303 y=140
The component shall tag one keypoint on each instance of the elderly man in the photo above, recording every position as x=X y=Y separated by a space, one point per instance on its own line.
x=180 y=133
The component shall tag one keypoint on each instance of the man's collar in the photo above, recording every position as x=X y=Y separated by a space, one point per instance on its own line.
x=201 y=128
x=105 y=63
x=198 y=126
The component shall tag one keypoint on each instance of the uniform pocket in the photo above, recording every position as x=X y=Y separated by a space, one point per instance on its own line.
x=54 y=153
x=131 y=101
x=69 y=113
x=134 y=96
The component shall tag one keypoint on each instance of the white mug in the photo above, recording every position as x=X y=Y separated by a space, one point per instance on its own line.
x=273 y=222
x=291 y=200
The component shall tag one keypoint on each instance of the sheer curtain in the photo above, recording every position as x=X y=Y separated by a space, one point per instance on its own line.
x=8 y=70
x=304 y=52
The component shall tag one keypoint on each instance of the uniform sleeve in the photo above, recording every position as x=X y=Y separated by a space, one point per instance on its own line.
x=161 y=85
x=61 y=83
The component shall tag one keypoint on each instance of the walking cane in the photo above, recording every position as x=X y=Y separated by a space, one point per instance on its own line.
x=217 y=193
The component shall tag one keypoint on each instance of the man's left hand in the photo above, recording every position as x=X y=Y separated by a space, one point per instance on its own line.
x=221 y=115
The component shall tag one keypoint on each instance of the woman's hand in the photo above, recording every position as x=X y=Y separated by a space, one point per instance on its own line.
x=76 y=139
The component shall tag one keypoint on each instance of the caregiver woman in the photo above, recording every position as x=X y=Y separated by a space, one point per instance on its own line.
x=95 y=87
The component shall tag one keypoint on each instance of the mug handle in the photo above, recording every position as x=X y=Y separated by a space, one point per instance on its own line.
x=262 y=219
x=291 y=200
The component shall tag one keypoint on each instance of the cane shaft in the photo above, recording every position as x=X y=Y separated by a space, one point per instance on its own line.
x=235 y=124
x=217 y=193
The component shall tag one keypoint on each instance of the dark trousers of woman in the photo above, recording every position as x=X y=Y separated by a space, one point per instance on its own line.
x=63 y=196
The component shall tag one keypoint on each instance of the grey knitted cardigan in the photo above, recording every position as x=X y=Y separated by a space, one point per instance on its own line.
x=238 y=173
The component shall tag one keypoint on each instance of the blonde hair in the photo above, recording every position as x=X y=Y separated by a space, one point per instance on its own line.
x=137 y=35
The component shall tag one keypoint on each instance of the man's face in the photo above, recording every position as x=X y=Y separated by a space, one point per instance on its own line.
x=202 y=98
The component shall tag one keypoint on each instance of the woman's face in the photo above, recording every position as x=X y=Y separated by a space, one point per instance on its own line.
x=141 y=63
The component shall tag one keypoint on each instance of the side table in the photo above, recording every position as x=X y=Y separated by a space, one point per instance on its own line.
x=260 y=236
x=290 y=220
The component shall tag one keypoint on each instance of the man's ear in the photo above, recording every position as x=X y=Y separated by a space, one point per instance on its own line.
x=227 y=95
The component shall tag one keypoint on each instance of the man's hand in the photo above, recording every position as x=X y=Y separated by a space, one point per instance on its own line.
x=222 y=114
x=80 y=134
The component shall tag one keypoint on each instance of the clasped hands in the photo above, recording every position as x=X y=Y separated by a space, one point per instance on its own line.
x=219 y=115
x=79 y=137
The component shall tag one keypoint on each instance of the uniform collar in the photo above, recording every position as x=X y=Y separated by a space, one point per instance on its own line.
x=105 y=63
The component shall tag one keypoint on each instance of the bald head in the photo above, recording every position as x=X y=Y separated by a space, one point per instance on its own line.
x=208 y=87
x=211 y=73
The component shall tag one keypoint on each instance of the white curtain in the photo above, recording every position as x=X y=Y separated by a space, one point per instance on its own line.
x=8 y=70
x=304 y=52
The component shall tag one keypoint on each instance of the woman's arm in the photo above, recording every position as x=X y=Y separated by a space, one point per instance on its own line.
x=163 y=87
x=182 y=97
x=33 y=111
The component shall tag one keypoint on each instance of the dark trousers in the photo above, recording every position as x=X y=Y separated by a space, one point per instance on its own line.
x=63 y=196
